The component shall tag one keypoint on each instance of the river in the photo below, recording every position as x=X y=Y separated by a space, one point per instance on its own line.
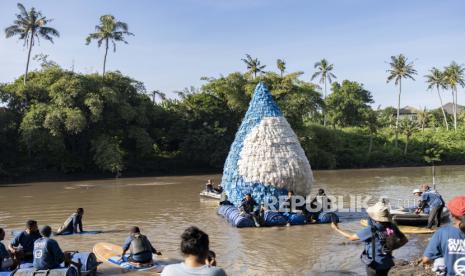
x=164 y=206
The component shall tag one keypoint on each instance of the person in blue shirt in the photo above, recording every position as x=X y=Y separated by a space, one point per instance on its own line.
x=22 y=245
x=47 y=252
x=433 y=200
x=449 y=241
x=6 y=262
x=380 y=227
x=139 y=246
x=73 y=224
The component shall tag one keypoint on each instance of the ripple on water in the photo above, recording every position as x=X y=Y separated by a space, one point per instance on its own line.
x=164 y=206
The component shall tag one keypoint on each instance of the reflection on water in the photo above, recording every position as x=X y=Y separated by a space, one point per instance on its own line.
x=164 y=206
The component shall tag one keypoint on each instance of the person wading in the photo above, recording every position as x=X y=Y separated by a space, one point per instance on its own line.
x=381 y=238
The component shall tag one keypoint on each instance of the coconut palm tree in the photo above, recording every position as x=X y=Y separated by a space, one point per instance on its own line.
x=436 y=79
x=324 y=69
x=454 y=76
x=253 y=65
x=30 y=26
x=422 y=118
x=400 y=69
x=408 y=128
x=109 y=30
x=158 y=93
x=281 y=64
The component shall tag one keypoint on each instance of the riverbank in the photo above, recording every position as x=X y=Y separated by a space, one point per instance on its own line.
x=412 y=265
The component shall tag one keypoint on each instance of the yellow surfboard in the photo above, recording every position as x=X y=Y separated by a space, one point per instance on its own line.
x=111 y=254
x=406 y=229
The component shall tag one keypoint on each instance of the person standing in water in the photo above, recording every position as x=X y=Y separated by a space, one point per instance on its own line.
x=73 y=224
x=448 y=242
x=381 y=237
x=433 y=200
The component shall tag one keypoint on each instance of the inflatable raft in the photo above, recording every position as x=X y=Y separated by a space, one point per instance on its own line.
x=407 y=216
x=210 y=195
x=233 y=215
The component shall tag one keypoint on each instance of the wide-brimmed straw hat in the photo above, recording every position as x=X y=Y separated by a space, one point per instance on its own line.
x=379 y=212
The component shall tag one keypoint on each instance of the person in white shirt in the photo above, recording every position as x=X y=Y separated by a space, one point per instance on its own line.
x=195 y=248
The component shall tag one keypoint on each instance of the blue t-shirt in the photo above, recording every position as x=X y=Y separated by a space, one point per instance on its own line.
x=383 y=260
x=3 y=254
x=448 y=242
x=47 y=254
x=433 y=199
x=26 y=241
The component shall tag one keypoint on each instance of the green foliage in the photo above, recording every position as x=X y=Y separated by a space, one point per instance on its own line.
x=67 y=122
x=348 y=105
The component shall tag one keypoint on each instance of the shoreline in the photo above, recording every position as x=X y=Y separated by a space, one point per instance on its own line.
x=49 y=176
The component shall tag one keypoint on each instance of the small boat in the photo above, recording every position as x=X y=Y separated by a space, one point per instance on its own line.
x=407 y=216
x=210 y=195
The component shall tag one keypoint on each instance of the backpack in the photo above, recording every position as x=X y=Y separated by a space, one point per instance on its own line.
x=390 y=240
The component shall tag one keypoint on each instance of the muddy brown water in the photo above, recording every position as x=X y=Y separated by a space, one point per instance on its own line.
x=164 y=206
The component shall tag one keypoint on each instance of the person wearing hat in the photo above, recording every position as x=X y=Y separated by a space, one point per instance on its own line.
x=449 y=241
x=382 y=229
x=432 y=199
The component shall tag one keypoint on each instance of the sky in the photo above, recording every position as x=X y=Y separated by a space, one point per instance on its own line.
x=177 y=42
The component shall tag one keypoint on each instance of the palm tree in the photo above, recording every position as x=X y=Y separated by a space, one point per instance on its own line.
x=324 y=72
x=253 y=65
x=400 y=69
x=281 y=64
x=30 y=26
x=436 y=79
x=408 y=127
x=108 y=31
x=422 y=118
x=158 y=93
x=454 y=76
x=372 y=123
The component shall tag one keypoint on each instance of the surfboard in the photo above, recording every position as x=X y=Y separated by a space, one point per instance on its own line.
x=406 y=229
x=79 y=233
x=111 y=254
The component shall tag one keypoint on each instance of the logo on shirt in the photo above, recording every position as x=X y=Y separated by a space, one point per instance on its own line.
x=38 y=254
x=459 y=266
x=456 y=246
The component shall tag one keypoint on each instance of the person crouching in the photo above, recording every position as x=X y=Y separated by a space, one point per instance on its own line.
x=140 y=248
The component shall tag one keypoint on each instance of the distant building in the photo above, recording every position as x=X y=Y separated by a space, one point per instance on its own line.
x=408 y=112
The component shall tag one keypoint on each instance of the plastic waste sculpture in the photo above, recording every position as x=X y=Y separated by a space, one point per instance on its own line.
x=266 y=158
